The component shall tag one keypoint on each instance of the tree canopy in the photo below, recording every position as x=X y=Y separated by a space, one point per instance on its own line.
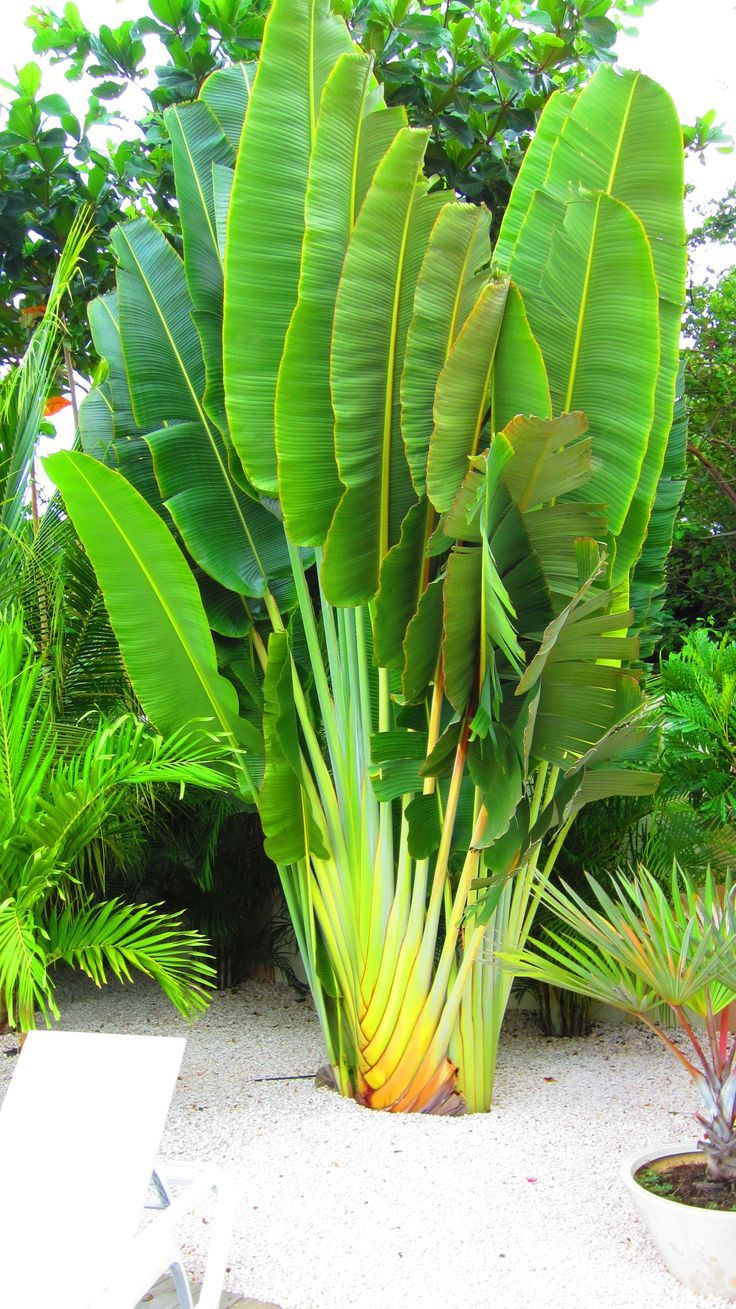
x=477 y=75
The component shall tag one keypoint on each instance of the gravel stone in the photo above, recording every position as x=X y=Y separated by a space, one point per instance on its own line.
x=340 y=1207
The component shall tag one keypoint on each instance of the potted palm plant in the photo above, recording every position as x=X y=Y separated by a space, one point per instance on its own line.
x=668 y=961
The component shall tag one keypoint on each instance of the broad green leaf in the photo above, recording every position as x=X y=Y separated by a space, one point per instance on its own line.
x=96 y=430
x=373 y=306
x=248 y=547
x=200 y=151
x=114 y=436
x=396 y=759
x=550 y=458
x=591 y=298
x=161 y=348
x=425 y=831
x=602 y=783
x=404 y=576
x=226 y=93
x=532 y=173
x=519 y=383
x=462 y=623
x=105 y=327
x=449 y=283
x=164 y=361
x=422 y=642
x=151 y=597
x=577 y=705
x=495 y=768
x=302 y=42
x=222 y=188
x=309 y=487
x=227 y=612
x=198 y=143
x=379 y=128
x=462 y=398
x=617 y=121
x=581 y=698
x=649 y=578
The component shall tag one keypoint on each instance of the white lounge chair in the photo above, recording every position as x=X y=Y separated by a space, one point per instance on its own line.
x=80 y=1127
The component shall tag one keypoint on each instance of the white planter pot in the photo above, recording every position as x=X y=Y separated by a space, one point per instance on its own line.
x=697 y=1245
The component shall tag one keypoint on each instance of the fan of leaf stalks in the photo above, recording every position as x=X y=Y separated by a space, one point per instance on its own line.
x=366 y=496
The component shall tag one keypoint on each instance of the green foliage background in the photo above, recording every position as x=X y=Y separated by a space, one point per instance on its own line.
x=477 y=75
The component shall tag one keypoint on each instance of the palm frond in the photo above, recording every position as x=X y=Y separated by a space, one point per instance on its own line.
x=116 y=937
x=24 y=981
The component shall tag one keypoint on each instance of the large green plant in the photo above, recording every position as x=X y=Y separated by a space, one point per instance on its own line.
x=320 y=519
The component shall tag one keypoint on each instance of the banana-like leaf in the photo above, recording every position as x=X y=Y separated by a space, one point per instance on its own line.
x=151 y=597
x=166 y=371
x=550 y=459
x=496 y=770
x=422 y=642
x=533 y=535
x=581 y=698
x=532 y=173
x=450 y=280
x=309 y=486
x=107 y=427
x=587 y=279
x=519 y=382
x=372 y=311
x=96 y=418
x=226 y=93
x=461 y=406
x=222 y=189
x=202 y=152
x=249 y=547
x=404 y=576
x=302 y=42
x=462 y=623
x=479 y=616
x=105 y=326
x=596 y=143
x=161 y=348
x=198 y=143
x=649 y=578
x=602 y=783
x=616 y=119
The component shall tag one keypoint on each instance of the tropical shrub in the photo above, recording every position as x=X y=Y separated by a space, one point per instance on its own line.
x=370 y=499
x=698 y=685
x=203 y=855
x=638 y=949
x=57 y=797
x=702 y=570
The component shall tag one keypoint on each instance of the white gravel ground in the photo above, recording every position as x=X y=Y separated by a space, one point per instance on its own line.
x=343 y=1208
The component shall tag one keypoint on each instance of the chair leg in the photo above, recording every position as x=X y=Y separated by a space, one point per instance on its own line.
x=181 y=1282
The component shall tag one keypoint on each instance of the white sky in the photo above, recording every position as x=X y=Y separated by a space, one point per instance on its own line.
x=687 y=45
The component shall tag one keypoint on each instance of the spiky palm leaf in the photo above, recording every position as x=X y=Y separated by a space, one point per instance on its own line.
x=54 y=804
x=638 y=948
x=698 y=686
